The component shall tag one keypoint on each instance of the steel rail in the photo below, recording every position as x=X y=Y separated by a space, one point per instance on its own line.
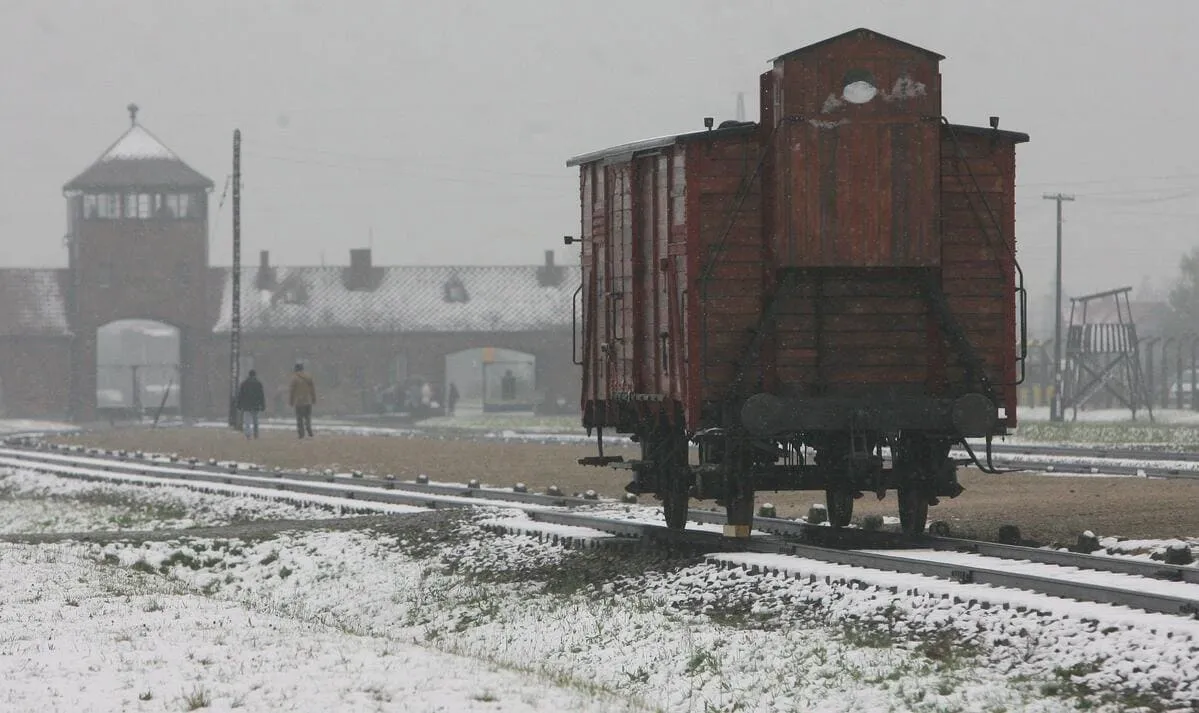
x=779 y=526
x=1097 y=451
x=782 y=543
x=1115 y=565
x=955 y=572
x=193 y=466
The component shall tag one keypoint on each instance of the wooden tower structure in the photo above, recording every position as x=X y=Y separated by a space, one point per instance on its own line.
x=1102 y=355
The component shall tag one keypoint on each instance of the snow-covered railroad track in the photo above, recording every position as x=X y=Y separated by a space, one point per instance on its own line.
x=996 y=550
x=1137 y=591
x=1095 y=451
x=1074 y=461
x=141 y=472
x=1086 y=578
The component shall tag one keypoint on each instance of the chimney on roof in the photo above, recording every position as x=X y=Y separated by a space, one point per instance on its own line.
x=360 y=276
x=266 y=273
x=549 y=274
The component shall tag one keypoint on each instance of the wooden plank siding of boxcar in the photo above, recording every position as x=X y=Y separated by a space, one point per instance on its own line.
x=838 y=331
x=683 y=265
x=594 y=259
x=859 y=181
x=725 y=197
x=651 y=296
x=808 y=80
x=861 y=195
x=622 y=296
x=978 y=259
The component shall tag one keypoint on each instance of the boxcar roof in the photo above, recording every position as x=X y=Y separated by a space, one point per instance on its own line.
x=1013 y=136
x=858 y=31
x=634 y=147
x=658 y=142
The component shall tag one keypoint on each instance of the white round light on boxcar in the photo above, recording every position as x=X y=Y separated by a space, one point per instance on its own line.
x=859 y=92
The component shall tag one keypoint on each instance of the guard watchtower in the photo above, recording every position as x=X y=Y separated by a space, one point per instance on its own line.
x=1102 y=356
x=137 y=238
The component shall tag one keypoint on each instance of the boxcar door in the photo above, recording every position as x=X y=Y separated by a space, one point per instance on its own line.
x=621 y=298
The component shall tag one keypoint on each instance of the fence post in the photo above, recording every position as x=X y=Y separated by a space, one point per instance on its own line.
x=1150 y=382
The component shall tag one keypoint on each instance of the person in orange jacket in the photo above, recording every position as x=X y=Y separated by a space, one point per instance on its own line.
x=301 y=397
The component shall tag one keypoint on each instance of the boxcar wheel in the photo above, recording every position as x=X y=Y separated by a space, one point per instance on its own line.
x=675 y=501
x=913 y=510
x=840 y=507
x=740 y=511
x=739 y=502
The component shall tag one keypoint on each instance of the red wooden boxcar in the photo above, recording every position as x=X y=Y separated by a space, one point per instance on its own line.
x=827 y=299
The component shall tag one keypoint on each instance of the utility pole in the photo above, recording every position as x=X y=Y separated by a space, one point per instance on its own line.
x=235 y=314
x=740 y=106
x=1055 y=406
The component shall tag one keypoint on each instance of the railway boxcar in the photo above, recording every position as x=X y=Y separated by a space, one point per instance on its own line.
x=827 y=299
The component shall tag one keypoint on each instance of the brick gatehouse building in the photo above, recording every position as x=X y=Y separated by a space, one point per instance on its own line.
x=137 y=236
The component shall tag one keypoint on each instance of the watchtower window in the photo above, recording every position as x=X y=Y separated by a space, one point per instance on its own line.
x=137 y=206
x=179 y=205
x=141 y=206
x=101 y=205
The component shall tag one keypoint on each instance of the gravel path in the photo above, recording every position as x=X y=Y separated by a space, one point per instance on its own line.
x=1047 y=508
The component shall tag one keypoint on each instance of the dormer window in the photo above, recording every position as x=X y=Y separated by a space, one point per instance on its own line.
x=455 y=291
x=295 y=295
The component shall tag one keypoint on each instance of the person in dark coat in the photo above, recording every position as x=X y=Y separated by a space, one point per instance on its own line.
x=251 y=401
x=452 y=398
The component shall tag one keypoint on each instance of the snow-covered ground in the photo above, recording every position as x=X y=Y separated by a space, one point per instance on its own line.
x=1163 y=416
x=21 y=426
x=458 y=619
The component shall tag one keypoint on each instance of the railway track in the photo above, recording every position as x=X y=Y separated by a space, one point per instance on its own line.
x=1138 y=584
x=1096 y=461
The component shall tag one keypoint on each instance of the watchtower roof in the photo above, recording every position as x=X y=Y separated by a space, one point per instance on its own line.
x=138 y=160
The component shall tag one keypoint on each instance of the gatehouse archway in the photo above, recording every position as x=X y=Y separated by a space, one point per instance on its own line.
x=138 y=369
x=491 y=380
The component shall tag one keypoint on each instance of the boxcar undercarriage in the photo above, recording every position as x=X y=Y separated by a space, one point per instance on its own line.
x=731 y=465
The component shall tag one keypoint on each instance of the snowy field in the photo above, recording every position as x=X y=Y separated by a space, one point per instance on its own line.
x=416 y=617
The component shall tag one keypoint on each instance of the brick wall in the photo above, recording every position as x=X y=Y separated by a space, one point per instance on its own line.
x=35 y=377
x=348 y=368
x=140 y=269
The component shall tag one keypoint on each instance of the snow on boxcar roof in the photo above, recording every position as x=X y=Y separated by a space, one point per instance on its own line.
x=1013 y=136
x=627 y=150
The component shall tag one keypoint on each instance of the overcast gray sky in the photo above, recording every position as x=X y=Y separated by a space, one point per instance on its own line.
x=442 y=126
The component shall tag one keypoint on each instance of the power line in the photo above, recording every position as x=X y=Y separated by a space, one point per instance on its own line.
x=407 y=160
x=1097 y=181
x=388 y=169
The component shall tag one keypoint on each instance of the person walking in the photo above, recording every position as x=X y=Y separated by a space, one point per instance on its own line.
x=301 y=397
x=251 y=400
x=451 y=399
